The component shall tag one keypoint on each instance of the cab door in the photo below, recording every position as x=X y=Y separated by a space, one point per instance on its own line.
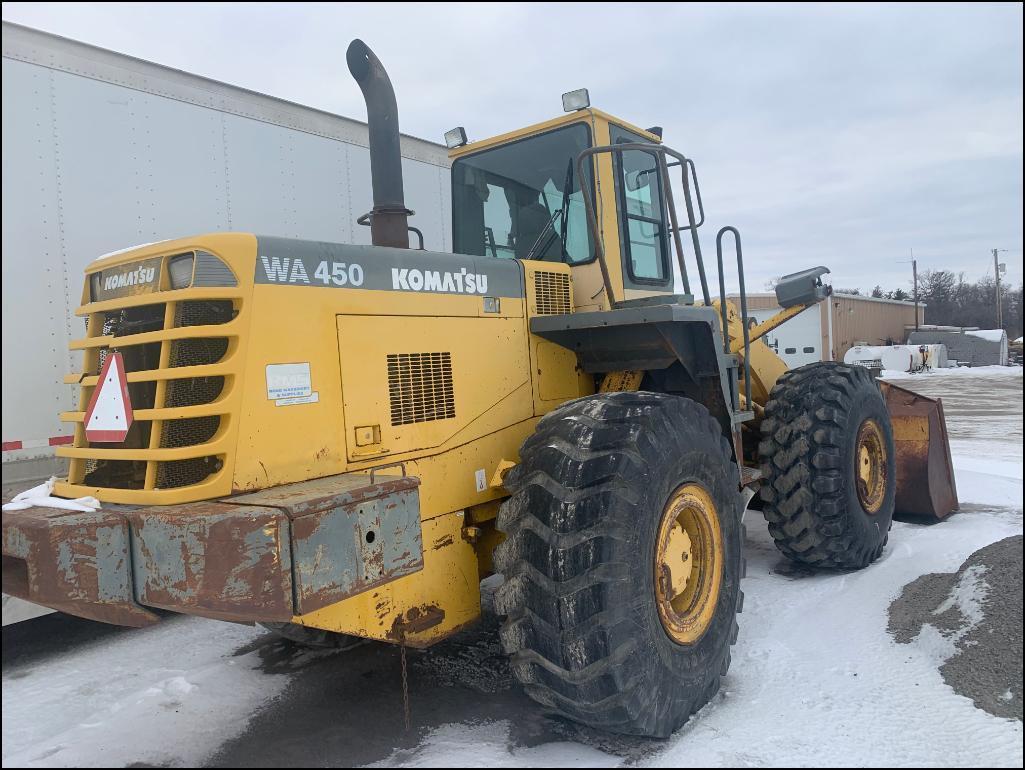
x=643 y=227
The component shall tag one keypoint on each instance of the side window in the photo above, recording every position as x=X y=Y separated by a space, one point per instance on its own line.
x=642 y=213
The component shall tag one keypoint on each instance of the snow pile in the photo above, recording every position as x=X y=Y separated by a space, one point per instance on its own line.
x=990 y=335
x=961 y=371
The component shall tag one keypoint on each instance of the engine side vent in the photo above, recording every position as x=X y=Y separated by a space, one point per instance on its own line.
x=420 y=387
x=551 y=293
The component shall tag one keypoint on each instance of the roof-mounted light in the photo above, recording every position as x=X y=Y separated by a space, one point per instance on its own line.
x=455 y=138
x=576 y=100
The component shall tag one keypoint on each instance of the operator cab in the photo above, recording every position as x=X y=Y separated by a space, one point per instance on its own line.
x=521 y=196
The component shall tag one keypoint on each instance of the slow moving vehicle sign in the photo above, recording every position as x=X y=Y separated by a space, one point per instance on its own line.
x=109 y=415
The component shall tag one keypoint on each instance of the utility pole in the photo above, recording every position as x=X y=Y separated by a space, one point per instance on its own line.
x=914 y=274
x=996 y=272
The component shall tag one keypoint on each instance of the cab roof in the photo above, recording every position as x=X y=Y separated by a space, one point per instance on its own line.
x=588 y=115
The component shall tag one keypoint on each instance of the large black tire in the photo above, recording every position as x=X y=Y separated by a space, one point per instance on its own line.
x=808 y=460
x=314 y=637
x=582 y=623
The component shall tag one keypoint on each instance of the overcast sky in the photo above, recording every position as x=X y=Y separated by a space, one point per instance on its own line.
x=837 y=135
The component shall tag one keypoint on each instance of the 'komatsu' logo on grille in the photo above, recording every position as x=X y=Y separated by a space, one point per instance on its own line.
x=138 y=277
x=461 y=282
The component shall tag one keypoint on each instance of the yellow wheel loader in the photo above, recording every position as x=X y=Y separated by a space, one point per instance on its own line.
x=340 y=442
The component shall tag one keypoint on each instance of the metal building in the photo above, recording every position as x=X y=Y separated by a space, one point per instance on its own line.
x=969 y=346
x=826 y=332
x=104 y=151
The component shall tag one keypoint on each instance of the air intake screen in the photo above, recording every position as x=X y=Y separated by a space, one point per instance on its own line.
x=420 y=387
x=551 y=293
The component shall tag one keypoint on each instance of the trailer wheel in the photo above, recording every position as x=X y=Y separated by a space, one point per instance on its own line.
x=622 y=561
x=313 y=637
x=827 y=457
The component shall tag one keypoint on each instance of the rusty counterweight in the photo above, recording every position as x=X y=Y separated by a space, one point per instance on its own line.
x=265 y=556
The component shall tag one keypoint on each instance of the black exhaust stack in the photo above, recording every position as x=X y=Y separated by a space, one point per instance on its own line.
x=389 y=218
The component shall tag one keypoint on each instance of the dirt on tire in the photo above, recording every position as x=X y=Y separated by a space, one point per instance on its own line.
x=807 y=454
x=582 y=624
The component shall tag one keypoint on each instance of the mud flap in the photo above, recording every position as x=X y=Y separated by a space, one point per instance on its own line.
x=925 y=473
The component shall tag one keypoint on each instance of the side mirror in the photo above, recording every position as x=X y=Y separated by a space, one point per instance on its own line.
x=803 y=288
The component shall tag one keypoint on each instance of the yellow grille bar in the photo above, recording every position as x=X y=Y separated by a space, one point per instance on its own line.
x=210 y=487
x=158 y=298
x=217 y=446
x=175 y=333
x=213 y=409
x=220 y=369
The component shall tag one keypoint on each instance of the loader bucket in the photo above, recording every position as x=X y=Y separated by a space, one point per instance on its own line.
x=925 y=475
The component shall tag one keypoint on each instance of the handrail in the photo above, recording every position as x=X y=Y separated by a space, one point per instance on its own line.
x=743 y=304
x=659 y=151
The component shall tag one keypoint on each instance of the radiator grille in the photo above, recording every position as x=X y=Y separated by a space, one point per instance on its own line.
x=184 y=473
x=193 y=391
x=203 y=312
x=198 y=352
x=420 y=387
x=551 y=293
x=151 y=388
x=189 y=432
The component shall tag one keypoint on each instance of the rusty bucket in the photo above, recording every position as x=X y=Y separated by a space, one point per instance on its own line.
x=925 y=474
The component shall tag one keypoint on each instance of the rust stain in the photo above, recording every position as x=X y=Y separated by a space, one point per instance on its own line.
x=73 y=562
x=442 y=542
x=416 y=620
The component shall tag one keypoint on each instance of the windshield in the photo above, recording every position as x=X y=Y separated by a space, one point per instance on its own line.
x=523 y=200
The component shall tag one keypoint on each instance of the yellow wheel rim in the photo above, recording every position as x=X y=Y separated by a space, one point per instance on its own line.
x=688 y=564
x=870 y=456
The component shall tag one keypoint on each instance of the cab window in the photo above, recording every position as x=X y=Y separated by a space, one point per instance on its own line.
x=643 y=230
x=523 y=200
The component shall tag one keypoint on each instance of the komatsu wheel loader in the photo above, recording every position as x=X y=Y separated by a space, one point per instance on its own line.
x=341 y=441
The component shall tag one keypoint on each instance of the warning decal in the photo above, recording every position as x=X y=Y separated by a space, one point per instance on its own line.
x=109 y=415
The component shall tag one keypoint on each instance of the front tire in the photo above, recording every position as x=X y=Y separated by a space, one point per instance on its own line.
x=827 y=457
x=606 y=624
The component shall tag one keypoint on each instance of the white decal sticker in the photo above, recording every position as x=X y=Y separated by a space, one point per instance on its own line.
x=289 y=381
x=461 y=282
x=480 y=479
x=313 y=398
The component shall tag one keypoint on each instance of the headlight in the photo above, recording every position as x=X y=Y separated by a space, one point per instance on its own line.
x=95 y=283
x=180 y=270
x=455 y=138
x=576 y=100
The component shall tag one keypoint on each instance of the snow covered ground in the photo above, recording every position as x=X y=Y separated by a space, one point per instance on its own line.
x=816 y=678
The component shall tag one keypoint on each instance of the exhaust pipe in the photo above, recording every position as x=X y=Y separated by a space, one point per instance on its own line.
x=389 y=218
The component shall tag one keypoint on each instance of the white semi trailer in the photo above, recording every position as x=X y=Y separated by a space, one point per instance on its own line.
x=103 y=151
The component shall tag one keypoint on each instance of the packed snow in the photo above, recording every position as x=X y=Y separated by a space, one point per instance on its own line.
x=816 y=679
x=955 y=371
x=990 y=335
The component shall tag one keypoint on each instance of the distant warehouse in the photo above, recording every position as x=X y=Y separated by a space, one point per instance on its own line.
x=827 y=331
x=968 y=345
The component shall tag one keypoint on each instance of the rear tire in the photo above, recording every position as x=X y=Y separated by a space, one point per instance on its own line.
x=583 y=625
x=313 y=637
x=821 y=423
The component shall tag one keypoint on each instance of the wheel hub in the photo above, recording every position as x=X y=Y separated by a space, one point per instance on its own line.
x=870 y=469
x=688 y=564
